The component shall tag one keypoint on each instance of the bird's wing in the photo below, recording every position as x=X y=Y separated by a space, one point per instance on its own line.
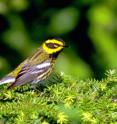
x=30 y=73
x=7 y=79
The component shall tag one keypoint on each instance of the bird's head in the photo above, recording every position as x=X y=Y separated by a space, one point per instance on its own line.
x=53 y=46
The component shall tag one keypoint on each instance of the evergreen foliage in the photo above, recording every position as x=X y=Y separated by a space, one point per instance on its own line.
x=69 y=101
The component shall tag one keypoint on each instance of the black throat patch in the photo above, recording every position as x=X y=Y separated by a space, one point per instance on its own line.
x=55 y=55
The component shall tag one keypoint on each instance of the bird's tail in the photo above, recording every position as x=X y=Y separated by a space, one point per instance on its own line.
x=7 y=79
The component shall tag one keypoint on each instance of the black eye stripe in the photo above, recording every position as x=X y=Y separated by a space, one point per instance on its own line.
x=52 y=45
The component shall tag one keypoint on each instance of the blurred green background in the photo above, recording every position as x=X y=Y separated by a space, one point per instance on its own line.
x=88 y=26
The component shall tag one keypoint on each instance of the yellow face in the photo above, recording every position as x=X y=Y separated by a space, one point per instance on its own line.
x=52 y=46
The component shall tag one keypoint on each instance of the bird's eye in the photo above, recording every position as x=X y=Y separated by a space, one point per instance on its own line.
x=52 y=45
x=55 y=45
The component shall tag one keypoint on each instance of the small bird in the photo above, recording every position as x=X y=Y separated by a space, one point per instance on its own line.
x=37 y=67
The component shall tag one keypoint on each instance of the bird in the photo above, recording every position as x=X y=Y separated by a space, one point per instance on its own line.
x=38 y=66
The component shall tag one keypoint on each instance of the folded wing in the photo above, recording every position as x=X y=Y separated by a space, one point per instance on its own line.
x=29 y=74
